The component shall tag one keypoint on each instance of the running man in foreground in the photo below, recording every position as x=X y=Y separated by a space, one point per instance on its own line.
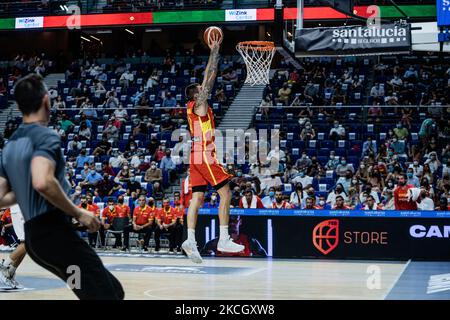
x=204 y=166
x=32 y=170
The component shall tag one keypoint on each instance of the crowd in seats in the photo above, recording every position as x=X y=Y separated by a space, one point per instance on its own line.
x=367 y=150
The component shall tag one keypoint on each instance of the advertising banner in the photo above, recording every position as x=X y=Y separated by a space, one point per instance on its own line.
x=354 y=40
x=443 y=12
x=333 y=237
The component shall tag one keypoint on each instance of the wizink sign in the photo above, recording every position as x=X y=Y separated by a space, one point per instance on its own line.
x=370 y=35
x=29 y=22
x=240 y=15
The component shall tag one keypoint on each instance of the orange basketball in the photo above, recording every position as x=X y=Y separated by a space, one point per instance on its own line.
x=207 y=35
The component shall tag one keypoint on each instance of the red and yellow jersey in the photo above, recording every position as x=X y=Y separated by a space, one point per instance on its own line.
x=402 y=200
x=117 y=212
x=143 y=215
x=125 y=210
x=167 y=216
x=284 y=205
x=92 y=208
x=179 y=213
x=6 y=217
x=201 y=128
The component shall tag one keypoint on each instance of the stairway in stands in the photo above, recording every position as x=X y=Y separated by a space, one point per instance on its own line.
x=240 y=113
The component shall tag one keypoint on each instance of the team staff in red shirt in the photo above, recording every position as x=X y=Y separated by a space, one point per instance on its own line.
x=111 y=212
x=92 y=207
x=143 y=222
x=402 y=197
x=125 y=209
x=371 y=204
x=167 y=223
x=7 y=228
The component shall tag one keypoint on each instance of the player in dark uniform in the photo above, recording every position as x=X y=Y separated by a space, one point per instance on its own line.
x=32 y=173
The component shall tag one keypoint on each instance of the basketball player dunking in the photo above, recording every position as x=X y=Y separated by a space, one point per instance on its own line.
x=204 y=166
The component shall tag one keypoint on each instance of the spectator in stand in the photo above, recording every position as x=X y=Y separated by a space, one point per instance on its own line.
x=153 y=174
x=388 y=201
x=303 y=179
x=265 y=105
x=123 y=176
x=92 y=179
x=337 y=132
x=401 y=132
x=425 y=203
x=307 y=133
x=107 y=186
x=303 y=162
x=121 y=115
x=433 y=162
x=134 y=188
x=85 y=132
x=332 y=162
x=168 y=166
x=369 y=146
x=346 y=180
x=269 y=199
x=169 y=101
x=412 y=179
x=126 y=79
x=443 y=205
x=344 y=167
x=103 y=147
x=111 y=101
x=284 y=94
x=250 y=200
x=213 y=201
x=334 y=194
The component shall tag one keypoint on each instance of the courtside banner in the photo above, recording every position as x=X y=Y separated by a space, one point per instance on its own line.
x=331 y=237
x=359 y=40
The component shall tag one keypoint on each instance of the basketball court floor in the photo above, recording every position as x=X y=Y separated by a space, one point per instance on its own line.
x=174 y=277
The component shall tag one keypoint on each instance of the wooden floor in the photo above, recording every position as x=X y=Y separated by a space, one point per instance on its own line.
x=175 y=277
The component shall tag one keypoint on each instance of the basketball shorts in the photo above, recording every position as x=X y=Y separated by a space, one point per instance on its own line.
x=204 y=173
x=18 y=222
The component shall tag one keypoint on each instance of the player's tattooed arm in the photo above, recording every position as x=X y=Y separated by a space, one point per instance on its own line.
x=201 y=106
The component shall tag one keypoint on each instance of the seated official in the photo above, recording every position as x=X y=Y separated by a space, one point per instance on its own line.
x=111 y=212
x=143 y=222
x=311 y=204
x=87 y=204
x=168 y=223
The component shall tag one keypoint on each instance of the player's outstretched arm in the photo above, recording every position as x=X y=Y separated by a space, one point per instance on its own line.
x=201 y=106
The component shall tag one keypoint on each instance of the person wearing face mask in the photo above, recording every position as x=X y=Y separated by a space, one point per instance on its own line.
x=103 y=148
x=166 y=221
x=111 y=212
x=403 y=197
x=82 y=159
x=333 y=162
x=369 y=146
x=153 y=174
x=239 y=178
x=213 y=201
x=338 y=191
x=343 y=167
x=412 y=179
x=279 y=202
x=133 y=187
x=92 y=179
x=433 y=162
x=322 y=203
x=303 y=162
x=107 y=186
x=269 y=199
x=236 y=198
x=396 y=147
x=250 y=200
x=401 y=132
x=85 y=171
x=168 y=166
x=417 y=168
x=307 y=133
x=124 y=174
x=143 y=222
x=297 y=196
x=337 y=132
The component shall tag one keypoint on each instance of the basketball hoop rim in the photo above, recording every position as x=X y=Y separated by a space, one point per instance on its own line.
x=256 y=45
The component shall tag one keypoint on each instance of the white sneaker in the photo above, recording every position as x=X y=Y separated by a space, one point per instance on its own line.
x=229 y=246
x=190 y=247
x=16 y=284
x=5 y=283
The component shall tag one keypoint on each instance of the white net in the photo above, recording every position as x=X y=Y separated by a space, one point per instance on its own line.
x=258 y=56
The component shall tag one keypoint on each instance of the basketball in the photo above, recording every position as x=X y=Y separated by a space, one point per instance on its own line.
x=210 y=32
